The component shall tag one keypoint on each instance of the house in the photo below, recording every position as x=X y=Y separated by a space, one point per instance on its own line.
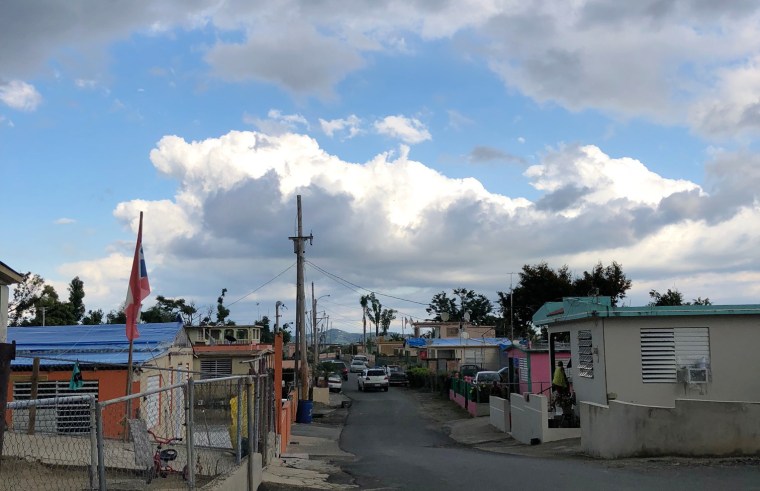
x=447 y=354
x=660 y=380
x=654 y=355
x=222 y=351
x=531 y=368
x=7 y=277
x=161 y=356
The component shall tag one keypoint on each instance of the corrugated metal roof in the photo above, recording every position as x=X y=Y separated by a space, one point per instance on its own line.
x=98 y=344
x=468 y=342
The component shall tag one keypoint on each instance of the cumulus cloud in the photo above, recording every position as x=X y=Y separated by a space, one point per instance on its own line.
x=276 y=122
x=417 y=230
x=20 y=95
x=408 y=130
x=351 y=126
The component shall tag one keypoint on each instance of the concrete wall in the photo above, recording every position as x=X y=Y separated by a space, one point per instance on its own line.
x=530 y=420
x=500 y=416
x=591 y=389
x=690 y=428
x=733 y=343
x=237 y=479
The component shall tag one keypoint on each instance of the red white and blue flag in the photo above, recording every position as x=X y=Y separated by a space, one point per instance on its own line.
x=139 y=288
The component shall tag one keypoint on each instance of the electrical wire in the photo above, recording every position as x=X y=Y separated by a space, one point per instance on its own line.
x=263 y=285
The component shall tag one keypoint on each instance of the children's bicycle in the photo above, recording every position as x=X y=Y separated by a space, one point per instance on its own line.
x=163 y=456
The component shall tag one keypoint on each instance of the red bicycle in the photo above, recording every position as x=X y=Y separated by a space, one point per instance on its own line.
x=163 y=457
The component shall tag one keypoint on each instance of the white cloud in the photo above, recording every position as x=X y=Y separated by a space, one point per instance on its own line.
x=20 y=95
x=64 y=221
x=408 y=130
x=520 y=139
x=351 y=125
x=235 y=204
x=82 y=83
x=276 y=122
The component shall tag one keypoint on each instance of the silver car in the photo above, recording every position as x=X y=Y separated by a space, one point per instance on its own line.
x=357 y=366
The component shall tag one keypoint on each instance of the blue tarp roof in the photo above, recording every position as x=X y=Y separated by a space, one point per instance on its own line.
x=98 y=344
x=416 y=342
x=439 y=342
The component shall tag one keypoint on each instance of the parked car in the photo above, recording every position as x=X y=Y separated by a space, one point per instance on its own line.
x=373 y=378
x=469 y=370
x=357 y=366
x=486 y=378
x=340 y=367
x=363 y=358
x=396 y=375
x=335 y=382
x=504 y=374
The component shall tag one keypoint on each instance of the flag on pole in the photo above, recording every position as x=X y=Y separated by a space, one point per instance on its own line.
x=139 y=288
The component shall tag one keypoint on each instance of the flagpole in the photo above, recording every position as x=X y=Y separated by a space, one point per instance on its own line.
x=136 y=292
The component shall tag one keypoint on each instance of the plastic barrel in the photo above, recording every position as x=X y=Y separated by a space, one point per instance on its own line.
x=304 y=411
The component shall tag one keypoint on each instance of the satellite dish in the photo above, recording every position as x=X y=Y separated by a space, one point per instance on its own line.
x=465 y=335
x=444 y=316
x=467 y=316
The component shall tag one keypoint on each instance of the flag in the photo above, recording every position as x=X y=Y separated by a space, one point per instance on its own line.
x=139 y=288
x=76 y=381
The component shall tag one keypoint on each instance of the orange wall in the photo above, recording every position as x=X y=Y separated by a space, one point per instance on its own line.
x=111 y=384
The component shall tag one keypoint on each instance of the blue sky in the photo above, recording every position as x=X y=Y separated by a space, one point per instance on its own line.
x=435 y=147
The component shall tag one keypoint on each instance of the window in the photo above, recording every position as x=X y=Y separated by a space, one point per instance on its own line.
x=242 y=334
x=68 y=417
x=585 y=355
x=523 y=369
x=216 y=367
x=216 y=334
x=452 y=332
x=664 y=351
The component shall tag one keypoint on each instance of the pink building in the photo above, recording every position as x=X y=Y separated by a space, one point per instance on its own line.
x=531 y=368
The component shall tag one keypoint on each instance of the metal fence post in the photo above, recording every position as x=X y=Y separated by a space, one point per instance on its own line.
x=100 y=445
x=239 y=432
x=93 y=444
x=251 y=433
x=190 y=403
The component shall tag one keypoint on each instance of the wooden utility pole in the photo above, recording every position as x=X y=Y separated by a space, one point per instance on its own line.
x=298 y=246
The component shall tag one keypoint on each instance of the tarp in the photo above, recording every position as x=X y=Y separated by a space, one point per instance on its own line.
x=103 y=343
x=416 y=342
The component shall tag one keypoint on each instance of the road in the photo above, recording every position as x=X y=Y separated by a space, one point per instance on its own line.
x=398 y=448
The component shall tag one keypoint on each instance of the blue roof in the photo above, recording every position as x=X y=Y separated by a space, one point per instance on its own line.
x=96 y=344
x=468 y=342
x=416 y=342
x=576 y=308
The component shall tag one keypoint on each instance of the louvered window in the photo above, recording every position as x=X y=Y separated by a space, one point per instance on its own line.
x=663 y=351
x=523 y=369
x=216 y=367
x=67 y=417
x=585 y=355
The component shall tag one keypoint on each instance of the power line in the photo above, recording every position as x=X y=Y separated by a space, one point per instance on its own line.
x=262 y=286
x=339 y=279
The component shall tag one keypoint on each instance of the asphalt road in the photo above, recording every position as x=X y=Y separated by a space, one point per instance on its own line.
x=399 y=448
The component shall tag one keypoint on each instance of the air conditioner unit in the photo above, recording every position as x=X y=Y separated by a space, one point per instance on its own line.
x=696 y=375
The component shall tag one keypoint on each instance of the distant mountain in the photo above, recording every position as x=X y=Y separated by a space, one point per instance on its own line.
x=337 y=336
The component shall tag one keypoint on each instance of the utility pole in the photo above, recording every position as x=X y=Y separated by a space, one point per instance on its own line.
x=298 y=246
x=315 y=331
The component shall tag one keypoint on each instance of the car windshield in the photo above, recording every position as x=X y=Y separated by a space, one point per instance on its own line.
x=375 y=373
x=488 y=377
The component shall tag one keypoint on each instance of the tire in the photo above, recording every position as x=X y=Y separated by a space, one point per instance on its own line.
x=385 y=389
x=359 y=387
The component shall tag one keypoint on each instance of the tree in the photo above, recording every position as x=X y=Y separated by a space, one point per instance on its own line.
x=117 y=316
x=609 y=281
x=93 y=318
x=477 y=305
x=267 y=336
x=373 y=310
x=222 y=312
x=671 y=298
x=76 y=298
x=25 y=296
x=386 y=317
x=536 y=285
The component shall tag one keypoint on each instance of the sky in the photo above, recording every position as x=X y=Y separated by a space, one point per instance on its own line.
x=435 y=145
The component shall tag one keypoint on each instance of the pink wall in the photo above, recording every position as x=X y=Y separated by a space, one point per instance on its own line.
x=540 y=370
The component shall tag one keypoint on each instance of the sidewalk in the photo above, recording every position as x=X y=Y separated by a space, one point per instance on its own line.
x=305 y=465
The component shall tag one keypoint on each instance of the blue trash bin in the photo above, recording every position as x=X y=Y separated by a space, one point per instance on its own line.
x=304 y=411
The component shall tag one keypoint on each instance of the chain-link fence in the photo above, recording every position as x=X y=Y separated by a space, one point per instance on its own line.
x=50 y=444
x=179 y=436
